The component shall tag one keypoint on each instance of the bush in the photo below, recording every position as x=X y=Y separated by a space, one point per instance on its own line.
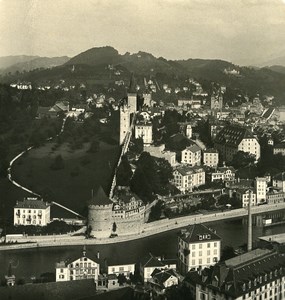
x=58 y=163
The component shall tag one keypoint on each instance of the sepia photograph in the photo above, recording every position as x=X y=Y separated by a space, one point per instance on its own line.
x=142 y=149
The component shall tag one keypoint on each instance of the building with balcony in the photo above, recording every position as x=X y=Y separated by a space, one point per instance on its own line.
x=32 y=211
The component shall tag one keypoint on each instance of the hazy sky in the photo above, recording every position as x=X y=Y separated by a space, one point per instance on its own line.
x=241 y=31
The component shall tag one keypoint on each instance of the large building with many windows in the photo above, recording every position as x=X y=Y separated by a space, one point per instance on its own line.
x=258 y=274
x=32 y=211
x=232 y=139
x=198 y=247
x=191 y=155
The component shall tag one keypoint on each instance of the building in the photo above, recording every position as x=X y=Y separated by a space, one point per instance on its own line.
x=125 y=214
x=274 y=196
x=279 y=148
x=125 y=269
x=191 y=155
x=144 y=130
x=159 y=152
x=32 y=211
x=163 y=279
x=217 y=102
x=185 y=178
x=258 y=274
x=246 y=195
x=260 y=185
x=147 y=98
x=232 y=139
x=278 y=181
x=223 y=173
x=124 y=121
x=211 y=157
x=148 y=265
x=77 y=269
x=132 y=96
x=198 y=248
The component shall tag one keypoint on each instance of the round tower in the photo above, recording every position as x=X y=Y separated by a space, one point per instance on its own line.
x=100 y=215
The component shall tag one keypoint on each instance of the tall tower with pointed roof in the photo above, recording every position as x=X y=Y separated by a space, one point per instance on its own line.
x=100 y=214
x=132 y=95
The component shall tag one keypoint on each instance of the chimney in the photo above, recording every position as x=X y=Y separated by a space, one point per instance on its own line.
x=98 y=255
x=249 y=233
x=84 y=250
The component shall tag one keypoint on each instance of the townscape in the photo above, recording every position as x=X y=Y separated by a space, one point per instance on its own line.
x=103 y=150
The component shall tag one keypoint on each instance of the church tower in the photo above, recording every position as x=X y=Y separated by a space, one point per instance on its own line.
x=132 y=95
x=124 y=121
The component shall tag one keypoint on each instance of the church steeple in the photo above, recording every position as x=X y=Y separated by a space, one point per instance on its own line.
x=133 y=85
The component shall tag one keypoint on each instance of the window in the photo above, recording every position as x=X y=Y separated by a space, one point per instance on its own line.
x=200 y=253
x=200 y=261
x=208 y=245
x=200 y=246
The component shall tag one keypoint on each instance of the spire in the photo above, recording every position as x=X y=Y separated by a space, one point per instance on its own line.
x=84 y=250
x=132 y=87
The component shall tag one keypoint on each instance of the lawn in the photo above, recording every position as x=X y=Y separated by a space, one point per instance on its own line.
x=72 y=185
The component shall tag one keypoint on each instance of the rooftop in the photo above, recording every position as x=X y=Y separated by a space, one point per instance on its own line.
x=198 y=233
x=277 y=238
x=100 y=198
x=33 y=203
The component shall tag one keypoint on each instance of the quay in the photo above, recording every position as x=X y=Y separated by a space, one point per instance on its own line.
x=148 y=229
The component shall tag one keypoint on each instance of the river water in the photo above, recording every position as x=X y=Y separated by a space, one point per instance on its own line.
x=33 y=262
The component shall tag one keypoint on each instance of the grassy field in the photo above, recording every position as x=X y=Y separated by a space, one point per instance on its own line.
x=72 y=185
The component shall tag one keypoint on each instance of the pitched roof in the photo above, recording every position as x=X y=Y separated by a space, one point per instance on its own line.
x=32 y=203
x=233 y=135
x=100 y=198
x=151 y=261
x=211 y=150
x=162 y=275
x=280 y=176
x=193 y=148
x=198 y=233
x=280 y=146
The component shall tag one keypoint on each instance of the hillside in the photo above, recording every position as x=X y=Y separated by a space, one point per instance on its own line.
x=278 y=69
x=278 y=61
x=35 y=63
x=8 y=61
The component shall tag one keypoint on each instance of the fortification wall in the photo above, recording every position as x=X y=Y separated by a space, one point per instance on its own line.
x=100 y=220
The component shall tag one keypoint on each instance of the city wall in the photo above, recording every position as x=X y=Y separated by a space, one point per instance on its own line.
x=147 y=229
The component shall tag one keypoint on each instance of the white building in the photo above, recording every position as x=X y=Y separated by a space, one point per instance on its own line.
x=260 y=185
x=232 y=139
x=126 y=269
x=148 y=265
x=144 y=130
x=246 y=195
x=185 y=178
x=32 y=211
x=124 y=122
x=224 y=174
x=198 y=247
x=211 y=157
x=80 y=268
x=191 y=155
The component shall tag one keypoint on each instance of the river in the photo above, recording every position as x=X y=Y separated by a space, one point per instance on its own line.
x=33 y=262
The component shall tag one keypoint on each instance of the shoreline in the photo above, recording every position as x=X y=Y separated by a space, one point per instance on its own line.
x=149 y=229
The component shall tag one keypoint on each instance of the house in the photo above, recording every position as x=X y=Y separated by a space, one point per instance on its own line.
x=278 y=181
x=144 y=130
x=260 y=185
x=258 y=274
x=191 y=155
x=148 y=265
x=274 y=196
x=46 y=112
x=125 y=269
x=78 y=268
x=32 y=211
x=224 y=174
x=211 y=157
x=163 y=279
x=185 y=178
x=246 y=195
x=279 y=148
x=233 y=138
x=198 y=247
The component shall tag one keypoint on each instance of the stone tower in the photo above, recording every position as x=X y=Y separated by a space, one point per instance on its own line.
x=100 y=214
x=124 y=121
x=132 y=95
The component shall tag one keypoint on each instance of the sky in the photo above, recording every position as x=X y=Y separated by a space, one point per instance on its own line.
x=240 y=31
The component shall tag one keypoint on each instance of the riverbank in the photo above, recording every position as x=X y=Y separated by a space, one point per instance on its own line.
x=148 y=229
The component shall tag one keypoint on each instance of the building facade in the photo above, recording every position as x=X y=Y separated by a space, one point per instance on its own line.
x=32 y=211
x=232 y=139
x=260 y=185
x=144 y=130
x=226 y=174
x=198 y=248
x=258 y=274
x=211 y=158
x=191 y=155
x=185 y=178
x=278 y=181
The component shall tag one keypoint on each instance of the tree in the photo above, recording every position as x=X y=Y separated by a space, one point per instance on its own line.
x=114 y=227
x=124 y=172
x=58 y=163
x=122 y=279
x=227 y=253
x=155 y=212
x=94 y=146
x=137 y=146
x=242 y=159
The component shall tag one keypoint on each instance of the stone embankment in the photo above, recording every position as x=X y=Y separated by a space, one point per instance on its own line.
x=146 y=230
